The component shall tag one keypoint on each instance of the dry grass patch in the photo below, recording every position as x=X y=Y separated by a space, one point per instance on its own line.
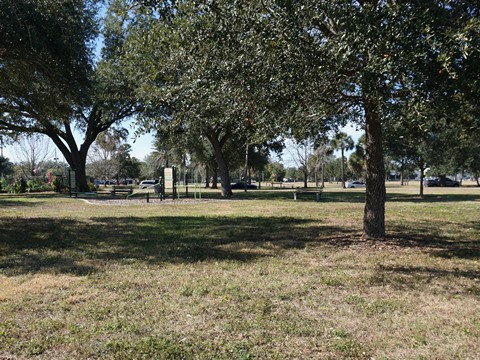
x=268 y=279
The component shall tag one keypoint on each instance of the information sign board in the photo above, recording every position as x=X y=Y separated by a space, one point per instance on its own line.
x=169 y=177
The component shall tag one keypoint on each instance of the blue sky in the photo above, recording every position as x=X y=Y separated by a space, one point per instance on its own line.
x=143 y=145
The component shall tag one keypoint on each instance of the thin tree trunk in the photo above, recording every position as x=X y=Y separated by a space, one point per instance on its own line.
x=374 y=214
x=323 y=174
x=245 y=171
x=422 y=177
x=215 y=179
x=222 y=167
x=343 y=168
x=207 y=176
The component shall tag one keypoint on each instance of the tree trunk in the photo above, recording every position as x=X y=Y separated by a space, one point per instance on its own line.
x=374 y=214
x=343 y=168
x=323 y=174
x=222 y=166
x=215 y=179
x=245 y=171
x=422 y=176
x=207 y=177
x=402 y=170
x=78 y=165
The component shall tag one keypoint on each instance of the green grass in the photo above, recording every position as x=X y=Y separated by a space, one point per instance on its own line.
x=258 y=277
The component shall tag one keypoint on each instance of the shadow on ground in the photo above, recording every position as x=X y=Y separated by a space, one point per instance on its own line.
x=78 y=247
x=349 y=196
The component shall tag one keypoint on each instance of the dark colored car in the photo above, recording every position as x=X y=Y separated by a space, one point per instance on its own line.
x=437 y=182
x=430 y=182
x=239 y=185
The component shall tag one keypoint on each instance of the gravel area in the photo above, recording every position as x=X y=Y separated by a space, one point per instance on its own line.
x=153 y=201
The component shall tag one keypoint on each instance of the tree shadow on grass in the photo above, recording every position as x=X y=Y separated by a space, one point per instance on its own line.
x=82 y=247
x=18 y=202
x=347 y=196
x=425 y=271
x=431 y=238
x=432 y=198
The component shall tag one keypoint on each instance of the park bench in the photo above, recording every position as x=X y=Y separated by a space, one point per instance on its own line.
x=301 y=191
x=121 y=189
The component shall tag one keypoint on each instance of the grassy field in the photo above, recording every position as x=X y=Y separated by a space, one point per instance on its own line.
x=257 y=277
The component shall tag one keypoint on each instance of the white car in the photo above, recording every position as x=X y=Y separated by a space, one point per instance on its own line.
x=147 y=183
x=354 y=184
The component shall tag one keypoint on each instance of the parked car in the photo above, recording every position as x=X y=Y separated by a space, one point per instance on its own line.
x=240 y=185
x=354 y=184
x=147 y=183
x=437 y=182
x=430 y=182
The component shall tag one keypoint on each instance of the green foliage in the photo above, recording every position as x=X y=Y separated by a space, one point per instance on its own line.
x=110 y=157
x=48 y=81
x=6 y=167
x=57 y=185
x=19 y=186
x=91 y=186
x=293 y=173
x=4 y=182
x=37 y=184
x=275 y=171
x=45 y=49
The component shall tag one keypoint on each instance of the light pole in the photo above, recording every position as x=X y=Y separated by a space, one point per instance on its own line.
x=56 y=160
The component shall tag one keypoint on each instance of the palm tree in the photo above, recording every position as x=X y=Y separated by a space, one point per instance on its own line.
x=320 y=154
x=343 y=142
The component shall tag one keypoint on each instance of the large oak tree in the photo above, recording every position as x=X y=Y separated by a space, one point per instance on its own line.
x=289 y=64
x=49 y=83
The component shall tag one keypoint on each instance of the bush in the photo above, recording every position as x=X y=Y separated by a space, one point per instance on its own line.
x=7 y=184
x=56 y=185
x=19 y=186
x=37 y=184
x=3 y=184
x=91 y=187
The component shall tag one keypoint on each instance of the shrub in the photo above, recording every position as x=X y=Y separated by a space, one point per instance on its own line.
x=37 y=184
x=91 y=187
x=19 y=186
x=57 y=185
